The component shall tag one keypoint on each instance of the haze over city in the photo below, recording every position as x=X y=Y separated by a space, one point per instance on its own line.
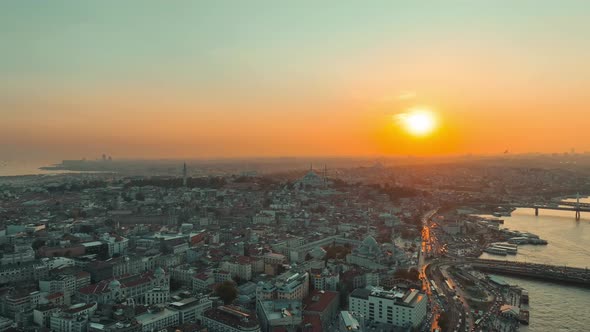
x=147 y=79
x=294 y=166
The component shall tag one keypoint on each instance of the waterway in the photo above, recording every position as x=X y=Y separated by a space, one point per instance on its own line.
x=18 y=168
x=553 y=307
x=22 y=168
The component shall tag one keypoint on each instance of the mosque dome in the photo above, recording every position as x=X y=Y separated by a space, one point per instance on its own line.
x=369 y=246
x=114 y=284
x=370 y=241
x=159 y=272
x=243 y=299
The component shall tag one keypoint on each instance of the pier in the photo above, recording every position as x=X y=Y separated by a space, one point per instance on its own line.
x=560 y=274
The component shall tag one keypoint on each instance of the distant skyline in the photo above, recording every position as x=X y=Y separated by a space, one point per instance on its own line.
x=197 y=79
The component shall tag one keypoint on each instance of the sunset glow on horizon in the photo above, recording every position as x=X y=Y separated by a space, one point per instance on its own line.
x=418 y=122
x=152 y=80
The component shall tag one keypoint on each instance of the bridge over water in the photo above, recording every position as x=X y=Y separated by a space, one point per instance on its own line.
x=561 y=274
x=576 y=207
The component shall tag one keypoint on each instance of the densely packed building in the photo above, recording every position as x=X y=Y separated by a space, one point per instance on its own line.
x=239 y=253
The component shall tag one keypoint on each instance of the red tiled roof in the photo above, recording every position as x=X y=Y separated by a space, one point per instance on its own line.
x=318 y=301
x=314 y=321
x=76 y=309
x=125 y=280
x=55 y=295
x=202 y=276
x=198 y=238
x=244 y=260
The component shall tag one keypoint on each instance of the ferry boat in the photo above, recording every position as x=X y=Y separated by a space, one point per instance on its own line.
x=538 y=241
x=524 y=307
x=524 y=297
x=496 y=251
x=509 y=250
x=505 y=244
x=518 y=240
x=523 y=317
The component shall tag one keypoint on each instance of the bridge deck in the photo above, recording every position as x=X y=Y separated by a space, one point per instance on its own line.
x=572 y=275
x=559 y=208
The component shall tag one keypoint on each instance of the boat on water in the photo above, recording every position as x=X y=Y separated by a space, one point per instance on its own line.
x=496 y=251
x=538 y=241
x=526 y=240
x=509 y=250
x=523 y=317
x=505 y=244
x=502 y=214
x=524 y=297
x=518 y=240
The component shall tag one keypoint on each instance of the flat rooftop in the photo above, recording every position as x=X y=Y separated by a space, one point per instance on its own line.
x=407 y=298
x=232 y=316
x=149 y=317
x=278 y=309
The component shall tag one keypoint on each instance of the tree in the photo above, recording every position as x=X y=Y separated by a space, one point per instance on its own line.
x=109 y=222
x=408 y=274
x=227 y=292
x=175 y=285
x=139 y=196
x=38 y=243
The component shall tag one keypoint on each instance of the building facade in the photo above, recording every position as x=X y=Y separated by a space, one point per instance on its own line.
x=397 y=307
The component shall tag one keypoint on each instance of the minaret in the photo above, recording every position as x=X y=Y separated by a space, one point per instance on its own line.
x=184 y=175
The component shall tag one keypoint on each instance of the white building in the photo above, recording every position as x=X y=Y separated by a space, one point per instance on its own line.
x=73 y=319
x=324 y=279
x=158 y=319
x=65 y=283
x=117 y=244
x=240 y=267
x=346 y=322
x=266 y=217
x=157 y=296
x=183 y=274
x=151 y=287
x=202 y=281
x=20 y=254
x=42 y=314
x=397 y=307
x=288 y=286
x=191 y=309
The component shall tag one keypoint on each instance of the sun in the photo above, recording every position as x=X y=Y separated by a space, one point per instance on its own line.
x=419 y=122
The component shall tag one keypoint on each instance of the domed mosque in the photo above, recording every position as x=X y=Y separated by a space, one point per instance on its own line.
x=312 y=179
x=115 y=291
x=369 y=254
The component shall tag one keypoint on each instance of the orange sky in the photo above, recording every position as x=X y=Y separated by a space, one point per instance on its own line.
x=83 y=82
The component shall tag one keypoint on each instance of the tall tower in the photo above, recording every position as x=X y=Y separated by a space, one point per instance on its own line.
x=184 y=175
